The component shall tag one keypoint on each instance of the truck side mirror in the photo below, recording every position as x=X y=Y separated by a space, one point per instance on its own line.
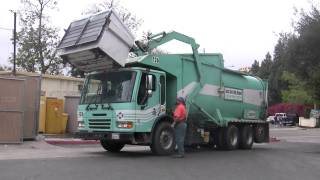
x=149 y=92
x=149 y=82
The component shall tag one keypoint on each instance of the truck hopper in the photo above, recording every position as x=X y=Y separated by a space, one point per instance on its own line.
x=98 y=42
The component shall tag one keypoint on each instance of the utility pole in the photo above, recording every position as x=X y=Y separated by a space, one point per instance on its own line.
x=14 y=42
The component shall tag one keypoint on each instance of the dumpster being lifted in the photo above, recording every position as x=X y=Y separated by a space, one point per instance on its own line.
x=98 y=42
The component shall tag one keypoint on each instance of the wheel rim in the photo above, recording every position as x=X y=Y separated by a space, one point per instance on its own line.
x=260 y=131
x=249 y=137
x=234 y=138
x=166 y=139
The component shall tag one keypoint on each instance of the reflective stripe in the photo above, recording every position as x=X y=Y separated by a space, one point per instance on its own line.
x=185 y=91
x=251 y=96
x=210 y=90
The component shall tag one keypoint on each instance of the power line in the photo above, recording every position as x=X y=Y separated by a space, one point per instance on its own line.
x=7 y=29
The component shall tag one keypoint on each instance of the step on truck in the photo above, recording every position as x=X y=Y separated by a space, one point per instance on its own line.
x=130 y=92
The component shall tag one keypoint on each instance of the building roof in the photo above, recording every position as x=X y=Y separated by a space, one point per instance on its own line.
x=48 y=76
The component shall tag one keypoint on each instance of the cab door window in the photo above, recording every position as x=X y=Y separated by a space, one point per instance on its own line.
x=143 y=93
x=163 y=90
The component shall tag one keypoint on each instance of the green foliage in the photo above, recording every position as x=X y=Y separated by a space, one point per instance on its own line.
x=295 y=54
x=37 y=39
x=265 y=68
x=255 y=68
x=296 y=92
x=278 y=66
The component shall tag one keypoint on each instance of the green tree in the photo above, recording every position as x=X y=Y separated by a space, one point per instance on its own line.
x=37 y=39
x=301 y=55
x=255 y=67
x=296 y=92
x=265 y=68
x=275 y=82
x=305 y=53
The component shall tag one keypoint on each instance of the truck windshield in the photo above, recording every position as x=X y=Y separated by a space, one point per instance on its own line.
x=109 y=87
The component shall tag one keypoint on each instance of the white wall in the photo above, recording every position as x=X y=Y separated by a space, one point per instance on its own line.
x=54 y=87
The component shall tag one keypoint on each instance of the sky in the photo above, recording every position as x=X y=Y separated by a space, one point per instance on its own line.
x=243 y=31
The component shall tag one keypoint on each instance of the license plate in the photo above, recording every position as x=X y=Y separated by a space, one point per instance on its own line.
x=115 y=136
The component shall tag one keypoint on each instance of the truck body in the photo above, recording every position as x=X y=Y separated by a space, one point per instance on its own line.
x=131 y=100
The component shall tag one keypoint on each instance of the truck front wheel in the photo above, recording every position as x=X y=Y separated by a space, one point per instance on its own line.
x=111 y=146
x=163 y=142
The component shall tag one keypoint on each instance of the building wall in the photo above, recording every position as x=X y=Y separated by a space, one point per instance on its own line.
x=55 y=87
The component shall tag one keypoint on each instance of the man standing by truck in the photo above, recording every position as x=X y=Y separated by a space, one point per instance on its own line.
x=180 y=125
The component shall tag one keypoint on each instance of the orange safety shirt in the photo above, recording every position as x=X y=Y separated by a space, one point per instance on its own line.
x=180 y=113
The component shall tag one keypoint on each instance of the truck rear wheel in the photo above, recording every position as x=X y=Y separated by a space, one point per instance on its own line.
x=111 y=146
x=260 y=133
x=163 y=142
x=228 y=138
x=220 y=140
x=246 y=137
x=231 y=136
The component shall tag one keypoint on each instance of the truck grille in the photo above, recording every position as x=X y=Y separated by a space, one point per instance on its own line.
x=99 y=123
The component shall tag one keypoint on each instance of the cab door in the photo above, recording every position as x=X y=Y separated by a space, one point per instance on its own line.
x=148 y=101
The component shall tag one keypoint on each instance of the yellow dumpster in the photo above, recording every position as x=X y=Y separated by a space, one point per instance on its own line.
x=42 y=115
x=54 y=116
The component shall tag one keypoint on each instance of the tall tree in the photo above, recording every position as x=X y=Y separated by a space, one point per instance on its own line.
x=265 y=68
x=296 y=92
x=297 y=55
x=37 y=39
x=255 y=67
x=306 y=59
x=278 y=66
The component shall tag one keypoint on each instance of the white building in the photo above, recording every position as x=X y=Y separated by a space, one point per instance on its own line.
x=54 y=85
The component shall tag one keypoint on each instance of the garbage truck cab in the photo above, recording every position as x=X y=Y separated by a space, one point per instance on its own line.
x=129 y=100
x=122 y=105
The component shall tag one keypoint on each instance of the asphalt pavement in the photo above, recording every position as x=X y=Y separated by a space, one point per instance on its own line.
x=295 y=156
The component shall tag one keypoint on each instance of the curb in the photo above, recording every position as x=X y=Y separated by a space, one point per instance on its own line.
x=71 y=142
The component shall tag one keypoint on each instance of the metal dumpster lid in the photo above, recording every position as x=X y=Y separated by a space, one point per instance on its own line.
x=98 y=42
x=85 y=30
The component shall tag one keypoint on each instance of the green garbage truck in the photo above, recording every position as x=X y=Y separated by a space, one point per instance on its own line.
x=130 y=91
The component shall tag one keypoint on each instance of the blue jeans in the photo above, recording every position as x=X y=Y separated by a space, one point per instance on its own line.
x=180 y=132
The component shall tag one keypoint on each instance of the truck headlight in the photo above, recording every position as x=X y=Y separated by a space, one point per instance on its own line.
x=80 y=120
x=125 y=124
x=80 y=124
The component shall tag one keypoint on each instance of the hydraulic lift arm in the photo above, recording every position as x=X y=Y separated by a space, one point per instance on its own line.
x=156 y=40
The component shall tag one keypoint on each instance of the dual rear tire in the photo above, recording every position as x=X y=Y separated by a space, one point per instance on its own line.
x=232 y=137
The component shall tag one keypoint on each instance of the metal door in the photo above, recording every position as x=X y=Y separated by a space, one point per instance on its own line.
x=11 y=109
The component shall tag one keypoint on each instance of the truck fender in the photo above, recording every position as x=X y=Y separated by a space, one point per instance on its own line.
x=161 y=118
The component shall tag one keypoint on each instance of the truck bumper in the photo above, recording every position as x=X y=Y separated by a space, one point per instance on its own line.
x=113 y=136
